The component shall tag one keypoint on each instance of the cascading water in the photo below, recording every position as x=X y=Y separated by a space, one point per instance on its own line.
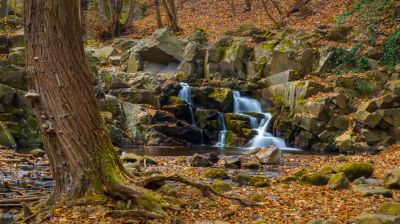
x=186 y=95
x=263 y=138
x=222 y=131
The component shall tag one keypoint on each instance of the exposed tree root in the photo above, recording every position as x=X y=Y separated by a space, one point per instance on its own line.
x=136 y=213
x=205 y=189
x=19 y=200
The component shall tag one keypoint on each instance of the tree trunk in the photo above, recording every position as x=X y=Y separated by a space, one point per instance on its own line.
x=158 y=14
x=170 y=9
x=82 y=158
x=3 y=8
x=129 y=16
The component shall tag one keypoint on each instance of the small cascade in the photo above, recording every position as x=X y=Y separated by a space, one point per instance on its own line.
x=263 y=138
x=222 y=130
x=186 y=95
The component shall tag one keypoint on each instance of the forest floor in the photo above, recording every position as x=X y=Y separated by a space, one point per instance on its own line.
x=216 y=16
x=282 y=201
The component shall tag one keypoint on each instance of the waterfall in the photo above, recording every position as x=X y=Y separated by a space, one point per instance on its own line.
x=186 y=95
x=222 y=130
x=263 y=138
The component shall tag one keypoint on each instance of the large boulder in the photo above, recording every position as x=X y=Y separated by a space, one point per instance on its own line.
x=102 y=54
x=292 y=93
x=17 y=56
x=271 y=155
x=354 y=170
x=213 y=98
x=367 y=190
x=162 y=47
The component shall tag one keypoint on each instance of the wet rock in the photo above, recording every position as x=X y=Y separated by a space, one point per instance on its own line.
x=259 y=181
x=37 y=153
x=232 y=58
x=377 y=219
x=221 y=186
x=201 y=160
x=216 y=174
x=314 y=179
x=233 y=162
x=392 y=179
x=213 y=98
x=354 y=170
x=338 y=181
x=270 y=155
x=251 y=163
x=370 y=190
x=242 y=179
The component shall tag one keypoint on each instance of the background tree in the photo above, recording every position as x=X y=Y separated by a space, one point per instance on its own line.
x=3 y=8
x=172 y=15
x=277 y=22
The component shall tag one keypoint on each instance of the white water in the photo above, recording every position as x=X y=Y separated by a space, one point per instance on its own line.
x=186 y=95
x=263 y=138
x=222 y=130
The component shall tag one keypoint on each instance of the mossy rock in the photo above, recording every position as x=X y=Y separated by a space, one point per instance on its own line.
x=338 y=181
x=242 y=179
x=37 y=153
x=216 y=174
x=314 y=179
x=175 y=100
x=130 y=158
x=342 y=158
x=259 y=181
x=298 y=174
x=327 y=170
x=256 y=197
x=168 y=190
x=221 y=186
x=390 y=208
x=133 y=166
x=354 y=170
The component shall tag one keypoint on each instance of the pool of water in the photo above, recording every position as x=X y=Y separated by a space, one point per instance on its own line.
x=6 y=218
x=191 y=150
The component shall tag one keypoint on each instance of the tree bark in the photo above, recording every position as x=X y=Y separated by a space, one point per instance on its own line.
x=3 y=8
x=129 y=16
x=170 y=9
x=82 y=158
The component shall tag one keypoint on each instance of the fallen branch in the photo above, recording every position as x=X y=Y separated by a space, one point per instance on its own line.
x=135 y=213
x=18 y=200
x=207 y=190
x=10 y=205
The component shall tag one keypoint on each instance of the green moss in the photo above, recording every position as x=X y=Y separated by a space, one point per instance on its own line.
x=314 y=179
x=221 y=186
x=216 y=174
x=300 y=173
x=327 y=170
x=220 y=94
x=168 y=190
x=390 y=208
x=242 y=179
x=256 y=197
x=354 y=170
x=175 y=100
x=300 y=101
x=150 y=202
x=259 y=181
x=391 y=49
x=181 y=76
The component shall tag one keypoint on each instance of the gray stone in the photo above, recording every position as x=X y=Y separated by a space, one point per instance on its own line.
x=161 y=47
x=370 y=190
x=123 y=44
x=282 y=77
x=270 y=155
x=392 y=179
x=6 y=139
x=234 y=162
x=189 y=54
x=200 y=160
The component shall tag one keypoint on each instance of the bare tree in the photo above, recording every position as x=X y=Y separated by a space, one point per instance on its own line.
x=277 y=22
x=170 y=10
x=158 y=14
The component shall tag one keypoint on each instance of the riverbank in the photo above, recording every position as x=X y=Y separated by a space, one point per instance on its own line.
x=282 y=200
